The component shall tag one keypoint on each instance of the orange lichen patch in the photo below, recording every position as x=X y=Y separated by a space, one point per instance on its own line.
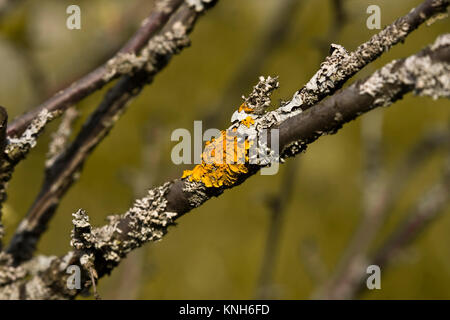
x=245 y=108
x=248 y=121
x=223 y=160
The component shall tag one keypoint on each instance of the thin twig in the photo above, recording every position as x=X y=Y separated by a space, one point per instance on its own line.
x=277 y=205
x=424 y=212
x=312 y=260
x=421 y=214
x=381 y=194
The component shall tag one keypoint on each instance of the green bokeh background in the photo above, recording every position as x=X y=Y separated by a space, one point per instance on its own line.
x=215 y=251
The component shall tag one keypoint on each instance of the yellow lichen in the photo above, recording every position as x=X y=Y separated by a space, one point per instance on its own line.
x=223 y=160
x=246 y=108
x=248 y=121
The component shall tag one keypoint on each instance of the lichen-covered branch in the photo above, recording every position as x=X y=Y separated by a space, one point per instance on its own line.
x=116 y=66
x=342 y=65
x=64 y=171
x=15 y=149
x=426 y=73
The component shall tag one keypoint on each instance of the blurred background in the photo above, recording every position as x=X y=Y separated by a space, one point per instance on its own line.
x=279 y=236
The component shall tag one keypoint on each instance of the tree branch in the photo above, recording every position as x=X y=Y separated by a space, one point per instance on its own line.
x=15 y=149
x=341 y=65
x=426 y=73
x=121 y=63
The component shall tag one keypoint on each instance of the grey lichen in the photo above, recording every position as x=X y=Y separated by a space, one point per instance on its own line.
x=146 y=221
x=198 y=5
x=441 y=41
x=35 y=289
x=166 y=44
x=17 y=148
x=269 y=119
x=293 y=149
x=426 y=76
x=161 y=6
x=8 y=272
x=88 y=240
x=81 y=237
x=338 y=116
x=196 y=191
x=323 y=81
x=259 y=99
x=148 y=218
x=256 y=105
x=38 y=264
x=37 y=281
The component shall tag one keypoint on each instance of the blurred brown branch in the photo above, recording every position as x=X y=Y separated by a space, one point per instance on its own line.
x=381 y=193
x=420 y=216
x=277 y=205
x=7 y=5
